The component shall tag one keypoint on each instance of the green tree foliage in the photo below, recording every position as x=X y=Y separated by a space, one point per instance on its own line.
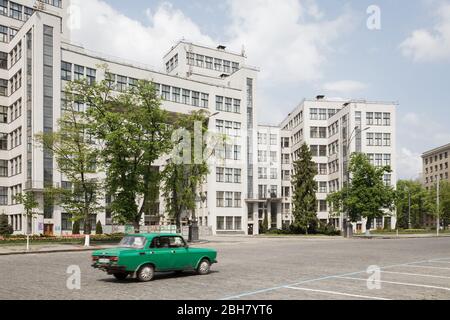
x=133 y=132
x=187 y=169
x=99 y=228
x=444 y=202
x=76 y=154
x=305 y=187
x=366 y=196
x=29 y=203
x=5 y=228
x=421 y=207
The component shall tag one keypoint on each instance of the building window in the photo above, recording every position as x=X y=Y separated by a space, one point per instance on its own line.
x=3 y=60
x=165 y=93
x=4 y=7
x=228 y=199
x=66 y=223
x=3 y=168
x=322 y=187
x=91 y=75
x=273 y=139
x=220 y=199
x=209 y=62
x=237 y=106
x=237 y=199
x=3 y=196
x=66 y=71
x=369 y=118
x=196 y=98
x=205 y=100
x=228 y=175
x=219 y=174
x=15 y=11
x=186 y=96
x=387 y=139
x=3 y=114
x=237 y=223
x=378 y=118
x=387 y=159
x=78 y=72
x=386 y=119
x=3 y=141
x=176 y=94
x=237 y=175
x=220 y=223
x=121 y=83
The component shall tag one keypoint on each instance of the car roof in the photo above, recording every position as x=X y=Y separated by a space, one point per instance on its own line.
x=153 y=235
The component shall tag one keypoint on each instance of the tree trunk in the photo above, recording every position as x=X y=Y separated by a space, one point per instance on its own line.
x=368 y=227
x=137 y=226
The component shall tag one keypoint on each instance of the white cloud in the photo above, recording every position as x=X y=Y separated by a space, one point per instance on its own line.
x=430 y=45
x=106 y=30
x=416 y=134
x=345 y=86
x=280 y=38
x=409 y=164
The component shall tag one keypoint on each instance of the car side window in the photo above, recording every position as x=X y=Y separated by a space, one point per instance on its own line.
x=154 y=243
x=163 y=242
x=177 y=242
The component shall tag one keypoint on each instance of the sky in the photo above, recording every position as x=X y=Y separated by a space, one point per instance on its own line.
x=374 y=50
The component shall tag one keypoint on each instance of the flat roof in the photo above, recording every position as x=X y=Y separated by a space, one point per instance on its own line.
x=435 y=150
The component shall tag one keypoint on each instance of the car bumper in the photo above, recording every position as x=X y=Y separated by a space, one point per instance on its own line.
x=109 y=268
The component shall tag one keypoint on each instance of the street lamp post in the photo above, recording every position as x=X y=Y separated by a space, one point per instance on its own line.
x=438 y=223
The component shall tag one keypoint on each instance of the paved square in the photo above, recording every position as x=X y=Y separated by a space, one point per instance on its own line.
x=254 y=268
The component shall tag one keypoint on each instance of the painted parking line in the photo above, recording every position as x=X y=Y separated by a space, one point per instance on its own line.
x=250 y=293
x=434 y=261
x=338 y=293
x=416 y=274
x=399 y=283
x=425 y=267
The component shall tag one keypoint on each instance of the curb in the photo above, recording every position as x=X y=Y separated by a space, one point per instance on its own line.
x=51 y=251
x=400 y=237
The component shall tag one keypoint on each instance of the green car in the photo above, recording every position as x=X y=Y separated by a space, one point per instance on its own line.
x=145 y=254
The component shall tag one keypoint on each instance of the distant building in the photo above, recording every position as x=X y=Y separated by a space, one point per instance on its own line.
x=334 y=130
x=435 y=166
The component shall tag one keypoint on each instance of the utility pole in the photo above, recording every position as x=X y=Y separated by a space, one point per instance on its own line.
x=409 y=209
x=438 y=224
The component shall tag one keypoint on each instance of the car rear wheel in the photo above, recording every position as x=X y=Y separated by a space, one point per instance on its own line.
x=145 y=273
x=204 y=267
x=120 y=276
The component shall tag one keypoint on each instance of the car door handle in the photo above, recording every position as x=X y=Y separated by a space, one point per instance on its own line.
x=173 y=251
x=142 y=254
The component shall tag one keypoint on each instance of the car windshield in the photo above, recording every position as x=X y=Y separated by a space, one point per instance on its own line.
x=132 y=242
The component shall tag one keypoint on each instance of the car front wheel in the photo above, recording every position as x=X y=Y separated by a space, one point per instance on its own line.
x=120 y=276
x=145 y=273
x=204 y=267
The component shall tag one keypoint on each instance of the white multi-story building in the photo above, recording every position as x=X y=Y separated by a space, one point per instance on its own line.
x=252 y=180
x=334 y=130
x=37 y=60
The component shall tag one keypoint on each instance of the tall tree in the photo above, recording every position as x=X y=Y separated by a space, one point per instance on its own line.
x=187 y=169
x=304 y=200
x=365 y=195
x=29 y=202
x=411 y=192
x=76 y=155
x=134 y=132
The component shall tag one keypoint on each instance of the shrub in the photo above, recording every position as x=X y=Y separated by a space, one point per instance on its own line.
x=5 y=228
x=98 y=228
x=76 y=227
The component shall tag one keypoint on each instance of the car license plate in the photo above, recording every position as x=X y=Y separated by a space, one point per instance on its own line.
x=103 y=261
